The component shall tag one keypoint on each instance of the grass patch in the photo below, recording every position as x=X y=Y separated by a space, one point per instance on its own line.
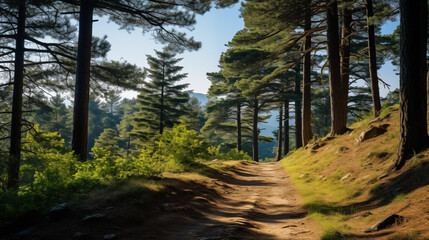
x=400 y=197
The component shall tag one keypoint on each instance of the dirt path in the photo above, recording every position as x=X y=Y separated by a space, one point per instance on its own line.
x=255 y=201
x=249 y=201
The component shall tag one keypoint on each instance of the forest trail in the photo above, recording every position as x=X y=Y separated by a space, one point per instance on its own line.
x=247 y=201
x=255 y=201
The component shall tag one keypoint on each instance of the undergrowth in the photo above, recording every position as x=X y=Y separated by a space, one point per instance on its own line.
x=51 y=175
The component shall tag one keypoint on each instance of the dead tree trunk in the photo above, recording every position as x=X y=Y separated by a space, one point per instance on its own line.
x=412 y=101
x=372 y=59
x=18 y=86
x=81 y=98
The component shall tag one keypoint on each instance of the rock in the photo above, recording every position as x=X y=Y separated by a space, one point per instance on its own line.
x=341 y=150
x=346 y=176
x=367 y=164
x=390 y=221
x=93 y=217
x=366 y=214
x=110 y=236
x=80 y=235
x=375 y=120
x=289 y=226
x=59 y=208
x=371 y=132
x=58 y=211
x=313 y=146
x=26 y=232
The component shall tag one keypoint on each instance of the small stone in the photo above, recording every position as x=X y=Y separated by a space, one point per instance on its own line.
x=366 y=214
x=80 y=235
x=390 y=221
x=110 y=236
x=59 y=208
x=346 y=176
x=289 y=226
x=371 y=132
x=26 y=232
x=341 y=150
x=93 y=217
x=367 y=164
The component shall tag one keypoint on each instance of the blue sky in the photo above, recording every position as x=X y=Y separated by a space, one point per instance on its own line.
x=214 y=30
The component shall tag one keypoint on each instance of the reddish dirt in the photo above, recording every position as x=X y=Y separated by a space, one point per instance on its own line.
x=249 y=201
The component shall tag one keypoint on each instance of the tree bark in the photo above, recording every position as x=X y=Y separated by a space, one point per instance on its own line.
x=255 y=131
x=412 y=101
x=286 y=126
x=18 y=86
x=298 y=114
x=346 y=31
x=280 y=134
x=306 y=85
x=161 y=117
x=81 y=99
x=338 y=111
x=239 y=126
x=372 y=59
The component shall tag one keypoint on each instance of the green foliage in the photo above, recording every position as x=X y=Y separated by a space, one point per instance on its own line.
x=50 y=174
x=180 y=145
x=108 y=140
x=161 y=102
x=233 y=154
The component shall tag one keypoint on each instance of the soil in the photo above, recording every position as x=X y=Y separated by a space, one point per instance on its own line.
x=249 y=201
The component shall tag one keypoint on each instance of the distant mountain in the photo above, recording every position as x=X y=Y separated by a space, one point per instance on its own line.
x=202 y=98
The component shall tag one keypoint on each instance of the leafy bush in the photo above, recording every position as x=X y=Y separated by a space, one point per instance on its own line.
x=50 y=174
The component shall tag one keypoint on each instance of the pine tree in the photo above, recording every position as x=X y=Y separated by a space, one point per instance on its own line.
x=108 y=140
x=162 y=101
x=413 y=96
x=32 y=22
x=156 y=16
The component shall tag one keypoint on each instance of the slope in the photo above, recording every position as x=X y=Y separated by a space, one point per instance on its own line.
x=348 y=187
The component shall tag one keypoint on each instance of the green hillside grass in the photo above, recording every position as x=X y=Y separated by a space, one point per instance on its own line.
x=342 y=179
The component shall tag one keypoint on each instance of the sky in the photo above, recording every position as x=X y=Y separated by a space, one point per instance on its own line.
x=214 y=29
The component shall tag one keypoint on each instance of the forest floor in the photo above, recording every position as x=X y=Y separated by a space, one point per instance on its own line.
x=247 y=201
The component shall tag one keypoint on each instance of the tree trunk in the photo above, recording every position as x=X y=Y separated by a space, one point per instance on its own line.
x=346 y=31
x=280 y=134
x=412 y=101
x=161 y=117
x=372 y=59
x=81 y=99
x=298 y=114
x=286 y=131
x=338 y=111
x=239 y=126
x=255 y=131
x=18 y=85
x=306 y=85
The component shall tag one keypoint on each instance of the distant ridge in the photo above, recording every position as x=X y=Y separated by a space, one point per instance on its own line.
x=202 y=98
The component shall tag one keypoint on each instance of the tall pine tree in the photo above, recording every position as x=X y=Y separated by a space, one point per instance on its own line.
x=162 y=101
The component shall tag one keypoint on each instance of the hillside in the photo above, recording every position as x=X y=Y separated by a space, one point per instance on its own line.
x=348 y=187
x=202 y=98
